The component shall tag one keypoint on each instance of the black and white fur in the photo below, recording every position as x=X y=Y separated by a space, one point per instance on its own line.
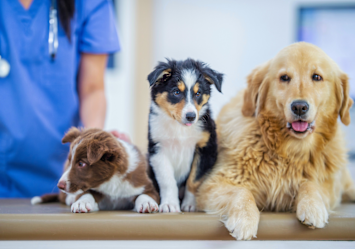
x=177 y=150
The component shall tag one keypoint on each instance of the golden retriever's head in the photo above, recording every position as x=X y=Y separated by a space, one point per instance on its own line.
x=302 y=86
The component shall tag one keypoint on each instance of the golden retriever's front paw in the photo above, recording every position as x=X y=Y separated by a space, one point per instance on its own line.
x=312 y=212
x=244 y=224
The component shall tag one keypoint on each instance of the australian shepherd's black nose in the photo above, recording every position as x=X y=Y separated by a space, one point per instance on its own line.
x=182 y=136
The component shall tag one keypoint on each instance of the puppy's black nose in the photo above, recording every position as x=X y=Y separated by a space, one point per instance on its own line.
x=299 y=107
x=190 y=116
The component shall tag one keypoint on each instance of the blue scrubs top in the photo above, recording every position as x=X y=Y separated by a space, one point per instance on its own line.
x=39 y=99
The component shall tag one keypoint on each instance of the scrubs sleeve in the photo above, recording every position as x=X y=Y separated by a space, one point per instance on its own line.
x=99 y=31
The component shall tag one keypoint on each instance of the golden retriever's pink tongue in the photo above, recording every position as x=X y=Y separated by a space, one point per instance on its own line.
x=300 y=126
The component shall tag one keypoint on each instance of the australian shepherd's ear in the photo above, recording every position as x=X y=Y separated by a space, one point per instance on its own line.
x=71 y=135
x=213 y=77
x=255 y=94
x=161 y=73
x=346 y=101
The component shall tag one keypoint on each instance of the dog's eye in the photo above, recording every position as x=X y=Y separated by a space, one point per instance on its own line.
x=82 y=164
x=198 y=94
x=285 y=78
x=176 y=92
x=317 y=77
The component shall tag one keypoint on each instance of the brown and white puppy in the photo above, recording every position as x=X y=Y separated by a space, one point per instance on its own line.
x=280 y=145
x=103 y=172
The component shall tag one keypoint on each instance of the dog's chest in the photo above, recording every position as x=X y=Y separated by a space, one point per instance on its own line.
x=118 y=193
x=277 y=184
x=176 y=142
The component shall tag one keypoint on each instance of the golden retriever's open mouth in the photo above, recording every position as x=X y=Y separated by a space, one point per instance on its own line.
x=300 y=126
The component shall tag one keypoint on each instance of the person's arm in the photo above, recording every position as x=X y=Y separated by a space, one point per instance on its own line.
x=92 y=90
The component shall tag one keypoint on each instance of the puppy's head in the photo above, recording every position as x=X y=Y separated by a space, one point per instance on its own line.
x=94 y=157
x=182 y=88
x=302 y=86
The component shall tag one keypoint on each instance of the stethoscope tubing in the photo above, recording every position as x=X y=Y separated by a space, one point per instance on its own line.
x=52 y=40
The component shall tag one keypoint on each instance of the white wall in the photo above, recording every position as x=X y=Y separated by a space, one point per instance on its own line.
x=119 y=82
x=232 y=36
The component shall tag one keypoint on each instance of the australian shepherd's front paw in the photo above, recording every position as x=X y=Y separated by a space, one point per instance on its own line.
x=188 y=203
x=243 y=225
x=85 y=204
x=312 y=212
x=169 y=207
x=188 y=207
x=145 y=204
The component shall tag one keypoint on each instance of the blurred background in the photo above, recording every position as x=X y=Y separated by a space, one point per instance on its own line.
x=233 y=37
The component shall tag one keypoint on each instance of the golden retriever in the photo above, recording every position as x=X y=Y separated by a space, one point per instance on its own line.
x=280 y=145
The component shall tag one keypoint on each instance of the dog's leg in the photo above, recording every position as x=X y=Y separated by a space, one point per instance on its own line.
x=189 y=201
x=164 y=174
x=348 y=186
x=86 y=202
x=311 y=206
x=236 y=206
x=204 y=160
x=69 y=199
x=147 y=202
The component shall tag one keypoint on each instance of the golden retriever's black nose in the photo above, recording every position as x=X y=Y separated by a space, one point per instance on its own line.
x=190 y=116
x=299 y=107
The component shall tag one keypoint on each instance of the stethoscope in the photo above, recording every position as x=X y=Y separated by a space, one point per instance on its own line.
x=52 y=40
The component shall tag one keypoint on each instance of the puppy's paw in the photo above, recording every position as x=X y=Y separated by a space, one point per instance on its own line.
x=70 y=199
x=169 y=207
x=243 y=225
x=312 y=212
x=81 y=207
x=145 y=204
x=85 y=204
x=188 y=208
x=189 y=203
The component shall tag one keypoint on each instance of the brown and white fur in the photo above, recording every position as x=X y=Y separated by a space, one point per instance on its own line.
x=104 y=173
x=266 y=161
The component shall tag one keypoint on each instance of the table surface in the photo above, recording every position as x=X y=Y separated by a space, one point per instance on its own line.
x=19 y=220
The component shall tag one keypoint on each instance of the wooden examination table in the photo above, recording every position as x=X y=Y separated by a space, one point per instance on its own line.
x=19 y=220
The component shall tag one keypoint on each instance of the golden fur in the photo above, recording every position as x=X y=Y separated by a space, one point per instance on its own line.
x=263 y=165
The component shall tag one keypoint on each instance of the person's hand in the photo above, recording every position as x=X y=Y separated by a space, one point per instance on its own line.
x=122 y=136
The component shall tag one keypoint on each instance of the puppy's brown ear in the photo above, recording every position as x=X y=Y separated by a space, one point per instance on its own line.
x=251 y=94
x=347 y=102
x=71 y=135
x=97 y=150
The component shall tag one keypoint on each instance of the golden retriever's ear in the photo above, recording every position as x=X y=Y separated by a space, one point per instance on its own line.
x=251 y=95
x=71 y=135
x=347 y=102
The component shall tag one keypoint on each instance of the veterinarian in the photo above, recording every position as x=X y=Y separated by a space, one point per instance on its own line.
x=53 y=59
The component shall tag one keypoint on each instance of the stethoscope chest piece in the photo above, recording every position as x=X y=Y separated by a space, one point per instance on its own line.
x=4 y=68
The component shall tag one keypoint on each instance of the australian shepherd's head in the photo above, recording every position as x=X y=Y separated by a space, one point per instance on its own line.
x=182 y=88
